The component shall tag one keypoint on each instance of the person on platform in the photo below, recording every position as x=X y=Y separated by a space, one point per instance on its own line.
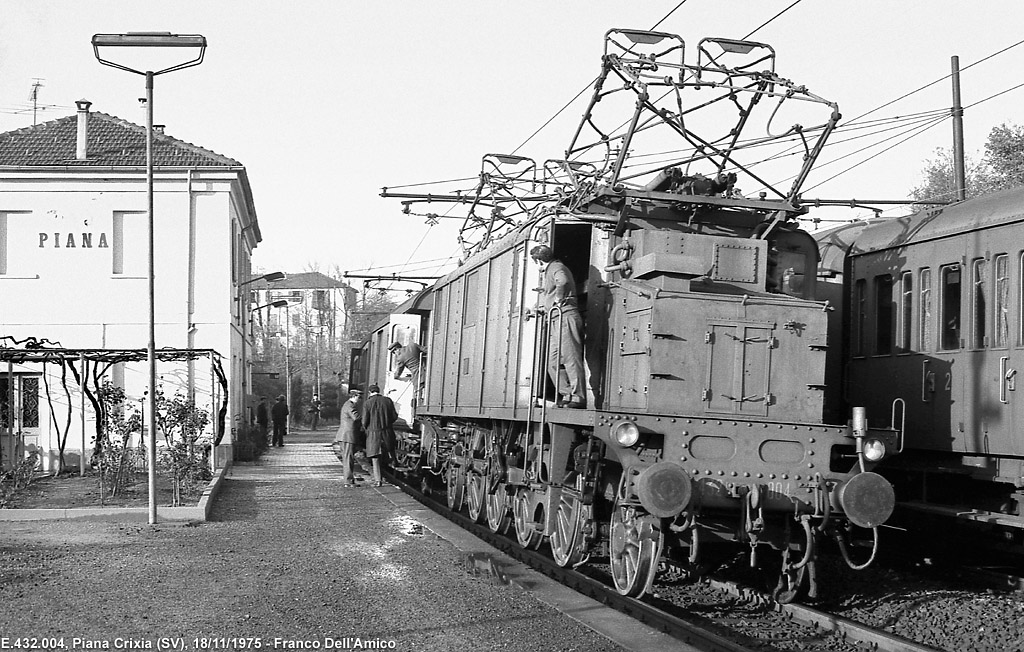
x=565 y=334
x=279 y=416
x=349 y=435
x=262 y=418
x=379 y=416
x=314 y=412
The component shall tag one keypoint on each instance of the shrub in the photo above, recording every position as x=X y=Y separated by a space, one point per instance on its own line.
x=250 y=443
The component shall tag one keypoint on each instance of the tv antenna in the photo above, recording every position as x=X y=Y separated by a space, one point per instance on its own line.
x=33 y=97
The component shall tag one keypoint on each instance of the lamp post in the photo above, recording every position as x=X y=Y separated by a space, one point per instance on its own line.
x=150 y=40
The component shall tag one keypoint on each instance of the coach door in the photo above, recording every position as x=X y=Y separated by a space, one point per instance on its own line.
x=404 y=329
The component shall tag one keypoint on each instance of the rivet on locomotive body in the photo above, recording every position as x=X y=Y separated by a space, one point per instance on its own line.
x=812 y=440
x=734 y=474
x=672 y=420
x=746 y=474
x=796 y=477
x=810 y=452
x=708 y=472
x=810 y=465
x=682 y=458
x=686 y=433
x=760 y=475
x=785 y=476
x=771 y=476
x=721 y=473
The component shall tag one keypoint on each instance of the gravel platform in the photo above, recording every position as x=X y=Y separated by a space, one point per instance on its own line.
x=289 y=560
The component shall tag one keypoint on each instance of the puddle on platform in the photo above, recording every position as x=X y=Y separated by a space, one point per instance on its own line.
x=407 y=526
x=481 y=564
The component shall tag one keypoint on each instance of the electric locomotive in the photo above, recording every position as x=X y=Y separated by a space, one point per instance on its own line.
x=705 y=341
x=933 y=342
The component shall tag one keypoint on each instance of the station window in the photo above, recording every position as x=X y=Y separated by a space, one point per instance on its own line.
x=859 y=305
x=949 y=325
x=906 y=310
x=1001 y=327
x=883 y=314
x=926 y=333
x=979 y=307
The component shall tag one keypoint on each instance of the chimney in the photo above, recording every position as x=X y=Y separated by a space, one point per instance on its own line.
x=158 y=130
x=83 y=129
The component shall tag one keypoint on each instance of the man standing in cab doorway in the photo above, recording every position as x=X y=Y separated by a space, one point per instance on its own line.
x=565 y=329
x=279 y=415
x=379 y=415
x=408 y=365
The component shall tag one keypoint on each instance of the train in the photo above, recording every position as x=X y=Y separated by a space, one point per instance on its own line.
x=710 y=417
x=931 y=326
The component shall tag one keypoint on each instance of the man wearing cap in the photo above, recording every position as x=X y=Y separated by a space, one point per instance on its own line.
x=408 y=360
x=379 y=415
x=565 y=337
x=348 y=436
x=279 y=415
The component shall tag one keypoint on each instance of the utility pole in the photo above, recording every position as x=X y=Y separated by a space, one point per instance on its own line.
x=959 y=171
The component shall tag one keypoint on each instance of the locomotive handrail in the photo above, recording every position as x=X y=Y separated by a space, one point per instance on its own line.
x=903 y=419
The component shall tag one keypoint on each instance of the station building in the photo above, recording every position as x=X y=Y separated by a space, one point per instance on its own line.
x=74 y=279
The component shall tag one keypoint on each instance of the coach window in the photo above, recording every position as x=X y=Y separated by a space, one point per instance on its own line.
x=883 y=314
x=859 y=306
x=927 y=332
x=1001 y=296
x=949 y=324
x=906 y=314
x=1020 y=299
x=979 y=305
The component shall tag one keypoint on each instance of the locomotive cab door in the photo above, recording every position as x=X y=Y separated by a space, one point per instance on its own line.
x=404 y=329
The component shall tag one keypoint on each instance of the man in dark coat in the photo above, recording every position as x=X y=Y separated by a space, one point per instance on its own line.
x=262 y=418
x=279 y=415
x=347 y=439
x=379 y=415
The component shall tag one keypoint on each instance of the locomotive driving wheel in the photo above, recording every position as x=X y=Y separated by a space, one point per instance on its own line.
x=498 y=518
x=634 y=549
x=476 y=495
x=568 y=542
x=526 y=531
x=456 y=484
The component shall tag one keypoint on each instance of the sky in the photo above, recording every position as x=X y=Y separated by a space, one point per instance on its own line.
x=327 y=101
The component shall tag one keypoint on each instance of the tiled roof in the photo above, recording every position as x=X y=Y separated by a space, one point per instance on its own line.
x=111 y=141
x=301 y=281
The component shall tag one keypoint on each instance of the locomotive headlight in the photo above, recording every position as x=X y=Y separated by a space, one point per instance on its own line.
x=625 y=433
x=874 y=449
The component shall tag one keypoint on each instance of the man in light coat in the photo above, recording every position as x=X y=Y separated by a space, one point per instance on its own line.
x=347 y=439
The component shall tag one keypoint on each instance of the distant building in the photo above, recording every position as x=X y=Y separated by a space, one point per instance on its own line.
x=74 y=270
x=316 y=321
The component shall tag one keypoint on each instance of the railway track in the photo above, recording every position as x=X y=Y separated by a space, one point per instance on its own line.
x=715 y=615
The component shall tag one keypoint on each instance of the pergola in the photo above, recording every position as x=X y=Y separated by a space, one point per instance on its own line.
x=88 y=369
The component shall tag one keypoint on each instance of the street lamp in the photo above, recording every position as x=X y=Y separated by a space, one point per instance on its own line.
x=269 y=278
x=150 y=40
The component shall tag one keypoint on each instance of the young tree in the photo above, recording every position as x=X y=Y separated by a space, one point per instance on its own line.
x=939 y=183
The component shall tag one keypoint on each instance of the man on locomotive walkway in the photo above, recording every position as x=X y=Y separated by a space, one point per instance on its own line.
x=565 y=329
x=349 y=434
x=379 y=415
x=279 y=415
